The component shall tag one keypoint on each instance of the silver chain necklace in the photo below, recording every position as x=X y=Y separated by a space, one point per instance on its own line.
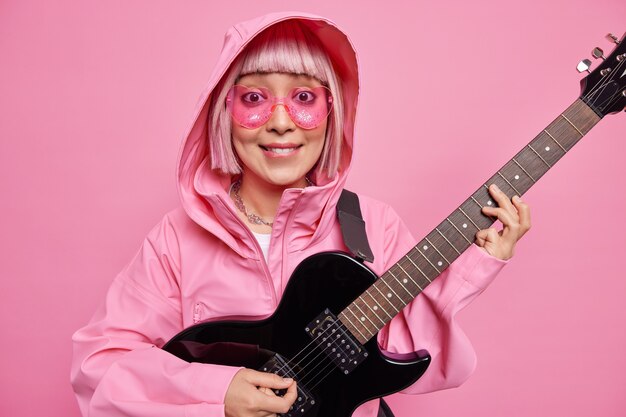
x=252 y=218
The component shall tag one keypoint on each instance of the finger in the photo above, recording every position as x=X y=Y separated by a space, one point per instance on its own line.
x=501 y=198
x=506 y=218
x=276 y=404
x=291 y=394
x=483 y=236
x=268 y=380
x=267 y=391
x=524 y=214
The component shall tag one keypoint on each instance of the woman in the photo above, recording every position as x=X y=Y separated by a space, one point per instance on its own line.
x=260 y=173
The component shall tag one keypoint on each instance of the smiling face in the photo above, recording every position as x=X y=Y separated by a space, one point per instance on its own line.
x=279 y=152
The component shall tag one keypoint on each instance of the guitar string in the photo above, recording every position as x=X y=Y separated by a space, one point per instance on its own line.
x=614 y=73
x=606 y=100
x=304 y=350
x=320 y=351
x=334 y=342
x=321 y=379
x=604 y=83
x=304 y=382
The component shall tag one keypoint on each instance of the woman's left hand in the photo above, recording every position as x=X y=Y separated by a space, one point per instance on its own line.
x=514 y=215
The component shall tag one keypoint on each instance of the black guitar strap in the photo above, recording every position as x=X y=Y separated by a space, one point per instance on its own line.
x=353 y=226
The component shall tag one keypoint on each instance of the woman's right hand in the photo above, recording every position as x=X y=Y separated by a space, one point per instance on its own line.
x=251 y=394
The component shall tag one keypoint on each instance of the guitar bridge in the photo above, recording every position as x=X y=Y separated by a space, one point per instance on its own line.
x=336 y=341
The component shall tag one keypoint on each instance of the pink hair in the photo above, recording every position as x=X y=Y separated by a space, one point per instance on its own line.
x=287 y=47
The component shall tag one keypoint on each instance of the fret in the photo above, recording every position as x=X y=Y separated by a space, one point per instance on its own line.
x=570 y=122
x=345 y=316
x=448 y=239
x=555 y=141
x=402 y=285
x=408 y=276
x=525 y=172
x=584 y=116
x=551 y=154
x=503 y=186
x=389 y=295
x=532 y=163
x=483 y=192
x=425 y=257
x=406 y=266
x=419 y=269
x=508 y=182
x=476 y=201
x=521 y=181
x=448 y=242
x=364 y=315
x=437 y=250
x=362 y=325
x=372 y=310
x=377 y=303
x=469 y=218
x=461 y=220
x=457 y=229
x=540 y=157
x=418 y=258
x=385 y=298
x=473 y=210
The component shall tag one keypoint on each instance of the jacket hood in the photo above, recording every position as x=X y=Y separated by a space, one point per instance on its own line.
x=204 y=192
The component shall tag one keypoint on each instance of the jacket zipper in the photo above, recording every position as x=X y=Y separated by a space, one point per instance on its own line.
x=283 y=261
x=196 y=313
x=266 y=270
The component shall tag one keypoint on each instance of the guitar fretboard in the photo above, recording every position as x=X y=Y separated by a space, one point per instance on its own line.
x=432 y=255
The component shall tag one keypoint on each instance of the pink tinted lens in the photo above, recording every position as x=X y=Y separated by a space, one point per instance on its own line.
x=253 y=107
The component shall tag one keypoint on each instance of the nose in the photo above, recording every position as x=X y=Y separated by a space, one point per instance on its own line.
x=280 y=121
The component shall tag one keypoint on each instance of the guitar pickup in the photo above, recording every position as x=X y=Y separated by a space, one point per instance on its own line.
x=336 y=341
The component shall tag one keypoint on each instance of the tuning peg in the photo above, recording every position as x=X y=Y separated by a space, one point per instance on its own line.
x=584 y=65
x=612 y=38
x=597 y=53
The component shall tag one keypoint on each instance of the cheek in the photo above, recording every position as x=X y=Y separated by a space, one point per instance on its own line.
x=317 y=138
x=241 y=138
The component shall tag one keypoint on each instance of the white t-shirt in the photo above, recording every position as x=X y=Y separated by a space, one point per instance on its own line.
x=264 y=242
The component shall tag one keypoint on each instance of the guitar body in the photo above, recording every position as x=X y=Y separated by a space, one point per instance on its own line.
x=323 y=281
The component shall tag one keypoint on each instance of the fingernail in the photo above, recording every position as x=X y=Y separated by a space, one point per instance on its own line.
x=495 y=187
x=517 y=198
x=287 y=380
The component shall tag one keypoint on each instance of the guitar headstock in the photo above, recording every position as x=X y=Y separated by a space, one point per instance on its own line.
x=604 y=89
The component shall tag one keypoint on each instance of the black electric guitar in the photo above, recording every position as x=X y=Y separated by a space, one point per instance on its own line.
x=323 y=333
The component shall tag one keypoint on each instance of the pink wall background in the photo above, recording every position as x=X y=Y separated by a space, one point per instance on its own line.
x=95 y=97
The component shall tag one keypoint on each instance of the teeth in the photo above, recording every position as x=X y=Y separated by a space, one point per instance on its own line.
x=281 y=151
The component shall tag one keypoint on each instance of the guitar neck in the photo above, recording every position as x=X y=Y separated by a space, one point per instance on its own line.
x=432 y=255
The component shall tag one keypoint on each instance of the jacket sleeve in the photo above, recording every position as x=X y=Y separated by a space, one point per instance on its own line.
x=118 y=368
x=428 y=322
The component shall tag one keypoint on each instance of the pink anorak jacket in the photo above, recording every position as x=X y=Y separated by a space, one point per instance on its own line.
x=201 y=262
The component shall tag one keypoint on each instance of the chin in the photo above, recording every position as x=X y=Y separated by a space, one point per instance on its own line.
x=286 y=180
